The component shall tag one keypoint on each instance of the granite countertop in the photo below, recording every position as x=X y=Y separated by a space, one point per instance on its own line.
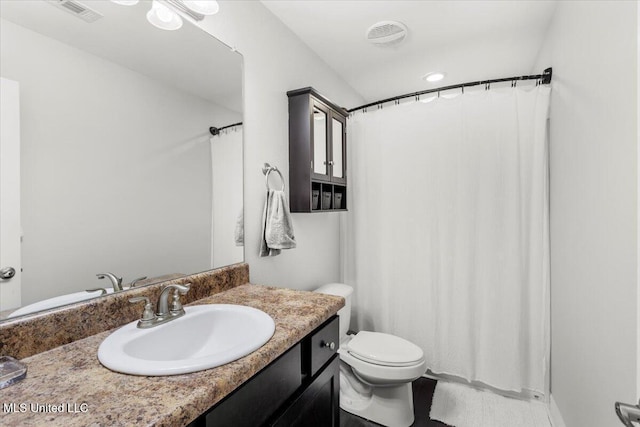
x=70 y=377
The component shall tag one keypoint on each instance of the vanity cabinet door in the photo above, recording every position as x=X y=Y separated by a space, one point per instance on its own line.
x=319 y=404
x=254 y=402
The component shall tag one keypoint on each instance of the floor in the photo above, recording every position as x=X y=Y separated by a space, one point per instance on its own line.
x=423 y=389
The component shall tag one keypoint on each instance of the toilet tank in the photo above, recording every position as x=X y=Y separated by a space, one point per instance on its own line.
x=345 y=291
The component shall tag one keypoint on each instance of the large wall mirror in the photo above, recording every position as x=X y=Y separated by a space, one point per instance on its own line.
x=119 y=172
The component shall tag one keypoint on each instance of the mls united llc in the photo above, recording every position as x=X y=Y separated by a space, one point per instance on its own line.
x=68 y=408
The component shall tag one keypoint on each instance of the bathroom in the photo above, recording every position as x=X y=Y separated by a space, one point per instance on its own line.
x=593 y=158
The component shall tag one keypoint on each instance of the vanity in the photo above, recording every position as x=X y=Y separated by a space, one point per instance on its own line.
x=300 y=388
x=292 y=380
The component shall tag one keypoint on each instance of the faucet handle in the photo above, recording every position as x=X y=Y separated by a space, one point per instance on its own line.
x=176 y=304
x=103 y=290
x=147 y=315
x=134 y=281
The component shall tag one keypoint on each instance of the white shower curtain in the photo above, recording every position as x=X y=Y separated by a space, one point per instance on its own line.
x=227 y=218
x=447 y=231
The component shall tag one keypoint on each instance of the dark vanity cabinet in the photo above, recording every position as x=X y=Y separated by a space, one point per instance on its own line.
x=300 y=388
x=317 y=153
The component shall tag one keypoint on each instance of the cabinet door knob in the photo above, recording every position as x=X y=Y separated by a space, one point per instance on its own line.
x=330 y=345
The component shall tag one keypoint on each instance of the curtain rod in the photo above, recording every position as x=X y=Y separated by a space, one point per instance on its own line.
x=545 y=78
x=215 y=131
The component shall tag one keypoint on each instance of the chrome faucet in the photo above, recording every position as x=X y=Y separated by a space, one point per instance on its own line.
x=176 y=305
x=134 y=282
x=163 y=313
x=116 y=281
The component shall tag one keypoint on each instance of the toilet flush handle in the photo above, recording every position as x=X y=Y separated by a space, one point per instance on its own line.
x=330 y=345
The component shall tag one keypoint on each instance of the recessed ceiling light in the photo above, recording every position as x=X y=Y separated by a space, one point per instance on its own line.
x=433 y=77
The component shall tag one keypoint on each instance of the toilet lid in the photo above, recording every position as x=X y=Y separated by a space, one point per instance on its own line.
x=384 y=349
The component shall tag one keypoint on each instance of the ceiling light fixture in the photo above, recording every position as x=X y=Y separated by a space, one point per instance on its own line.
x=203 y=7
x=433 y=77
x=165 y=14
x=162 y=17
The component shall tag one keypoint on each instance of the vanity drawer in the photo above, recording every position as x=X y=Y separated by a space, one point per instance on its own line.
x=317 y=350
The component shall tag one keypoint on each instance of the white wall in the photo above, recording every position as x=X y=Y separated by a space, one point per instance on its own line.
x=143 y=206
x=276 y=61
x=591 y=46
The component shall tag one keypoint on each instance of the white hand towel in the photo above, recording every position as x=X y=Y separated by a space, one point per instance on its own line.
x=277 y=227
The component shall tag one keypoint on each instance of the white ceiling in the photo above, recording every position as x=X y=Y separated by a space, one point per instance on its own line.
x=188 y=59
x=468 y=40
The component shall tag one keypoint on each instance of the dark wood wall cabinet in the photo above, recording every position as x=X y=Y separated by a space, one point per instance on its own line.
x=300 y=388
x=317 y=153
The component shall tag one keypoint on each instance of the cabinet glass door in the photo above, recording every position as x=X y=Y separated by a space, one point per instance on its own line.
x=337 y=150
x=320 y=161
x=337 y=138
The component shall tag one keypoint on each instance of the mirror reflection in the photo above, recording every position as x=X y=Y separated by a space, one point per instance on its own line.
x=119 y=181
x=319 y=141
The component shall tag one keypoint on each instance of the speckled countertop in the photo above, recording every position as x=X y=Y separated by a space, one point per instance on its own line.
x=71 y=377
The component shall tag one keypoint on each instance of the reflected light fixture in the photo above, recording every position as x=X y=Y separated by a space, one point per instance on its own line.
x=433 y=77
x=203 y=7
x=162 y=17
x=164 y=14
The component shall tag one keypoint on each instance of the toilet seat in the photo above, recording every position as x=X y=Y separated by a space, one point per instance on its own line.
x=384 y=349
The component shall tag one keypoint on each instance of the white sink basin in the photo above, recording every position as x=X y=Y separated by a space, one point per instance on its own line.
x=205 y=337
x=57 y=302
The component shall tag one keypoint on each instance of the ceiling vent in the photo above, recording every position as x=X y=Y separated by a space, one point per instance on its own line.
x=387 y=33
x=77 y=9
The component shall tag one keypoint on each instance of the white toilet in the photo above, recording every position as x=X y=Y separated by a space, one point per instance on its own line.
x=376 y=369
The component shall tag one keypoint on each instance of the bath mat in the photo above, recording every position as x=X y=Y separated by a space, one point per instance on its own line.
x=461 y=406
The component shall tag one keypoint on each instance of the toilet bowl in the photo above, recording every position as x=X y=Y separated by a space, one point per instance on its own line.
x=376 y=369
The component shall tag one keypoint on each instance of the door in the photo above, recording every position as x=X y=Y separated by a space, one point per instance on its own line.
x=10 y=263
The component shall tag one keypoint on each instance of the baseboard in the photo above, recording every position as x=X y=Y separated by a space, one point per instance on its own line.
x=554 y=414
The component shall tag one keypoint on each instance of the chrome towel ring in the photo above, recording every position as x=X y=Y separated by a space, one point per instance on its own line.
x=266 y=170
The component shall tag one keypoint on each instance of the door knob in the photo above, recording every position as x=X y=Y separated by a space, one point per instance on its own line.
x=7 y=273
